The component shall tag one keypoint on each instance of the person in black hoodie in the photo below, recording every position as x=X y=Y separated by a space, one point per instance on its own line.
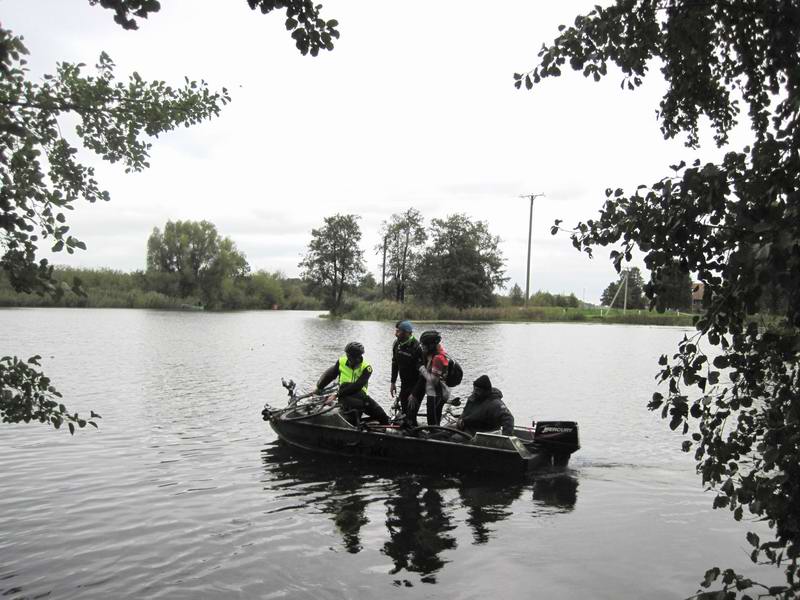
x=485 y=410
x=406 y=360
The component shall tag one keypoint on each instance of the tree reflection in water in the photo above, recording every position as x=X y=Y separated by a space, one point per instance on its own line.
x=420 y=522
x=486 y=503
x=349 y=512
x=418 y=526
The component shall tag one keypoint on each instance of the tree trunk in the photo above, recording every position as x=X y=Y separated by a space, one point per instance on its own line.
x=335 y=291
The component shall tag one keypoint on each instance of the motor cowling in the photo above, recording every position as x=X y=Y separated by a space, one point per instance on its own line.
x=560 y=437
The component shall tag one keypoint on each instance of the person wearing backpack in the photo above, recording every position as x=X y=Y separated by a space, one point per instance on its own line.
x=431 y=384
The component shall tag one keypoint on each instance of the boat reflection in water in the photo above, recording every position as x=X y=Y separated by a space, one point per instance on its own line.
x=425 y=513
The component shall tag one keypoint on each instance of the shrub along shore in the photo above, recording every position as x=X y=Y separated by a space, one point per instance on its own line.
x=106 y=288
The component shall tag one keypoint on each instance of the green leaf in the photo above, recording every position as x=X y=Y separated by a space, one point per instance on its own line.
x=710 y=576
x=774 y=590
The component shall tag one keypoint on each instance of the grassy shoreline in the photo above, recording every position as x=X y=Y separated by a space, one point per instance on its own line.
x=372 y=311
x=394 y=311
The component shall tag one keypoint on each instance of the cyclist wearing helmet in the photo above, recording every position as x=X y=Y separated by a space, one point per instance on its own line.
x=431 y=382
x=406 y=360
x=353 y=373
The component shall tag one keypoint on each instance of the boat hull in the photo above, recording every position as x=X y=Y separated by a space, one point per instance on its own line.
x=325 y=436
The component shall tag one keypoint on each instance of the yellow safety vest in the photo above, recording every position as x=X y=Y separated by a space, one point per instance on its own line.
x=349 y=375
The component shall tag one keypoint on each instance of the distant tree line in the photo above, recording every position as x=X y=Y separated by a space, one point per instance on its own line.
x=188 y=265
x=516 y=297
x=454 y=261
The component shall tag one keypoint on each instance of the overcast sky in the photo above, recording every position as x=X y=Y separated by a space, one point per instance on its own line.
x=415 y=107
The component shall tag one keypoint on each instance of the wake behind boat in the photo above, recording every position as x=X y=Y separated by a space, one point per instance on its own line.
x=314 y=422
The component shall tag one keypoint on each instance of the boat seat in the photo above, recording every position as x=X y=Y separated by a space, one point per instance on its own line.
x=332 y=419
x=494 y=440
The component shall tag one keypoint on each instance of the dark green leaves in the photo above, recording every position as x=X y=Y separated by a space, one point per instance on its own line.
x=310 y=32
x=114 y=119
x=657 y=401
x=303 y=18
x=127 y=10
x=26 y=395
x=710 y=576
x=734 y=225
x=721 y=362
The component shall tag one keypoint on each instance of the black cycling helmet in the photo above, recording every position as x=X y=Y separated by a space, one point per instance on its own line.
x=430 y=338
x=354 y=349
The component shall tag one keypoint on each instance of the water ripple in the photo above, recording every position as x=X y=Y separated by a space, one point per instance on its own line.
x=184 y=493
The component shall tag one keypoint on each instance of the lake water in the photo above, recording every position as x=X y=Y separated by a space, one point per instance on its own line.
x=184 y=492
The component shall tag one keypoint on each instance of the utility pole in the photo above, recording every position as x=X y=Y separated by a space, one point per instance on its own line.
x=383 y=268
x=623 y=282
x=625 y=302
x=530 y=232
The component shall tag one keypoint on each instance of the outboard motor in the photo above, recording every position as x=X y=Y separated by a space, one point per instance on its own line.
x=560 y=438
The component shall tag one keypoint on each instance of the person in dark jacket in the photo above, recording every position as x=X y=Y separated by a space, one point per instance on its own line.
x=353 y=373
x=485 y=409
x=406 y=361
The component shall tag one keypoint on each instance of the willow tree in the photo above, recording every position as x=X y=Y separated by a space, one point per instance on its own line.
x=195 y=256
x=734 y=223
x=41 y=178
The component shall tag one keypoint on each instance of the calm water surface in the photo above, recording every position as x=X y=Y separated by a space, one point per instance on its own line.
x=184 y=491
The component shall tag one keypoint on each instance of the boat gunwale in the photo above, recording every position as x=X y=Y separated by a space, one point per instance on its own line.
x=406 y=438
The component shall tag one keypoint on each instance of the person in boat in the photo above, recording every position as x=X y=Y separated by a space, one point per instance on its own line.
x=353 y=373
x=485 y=410
x=406 y=361
x=431 y=383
